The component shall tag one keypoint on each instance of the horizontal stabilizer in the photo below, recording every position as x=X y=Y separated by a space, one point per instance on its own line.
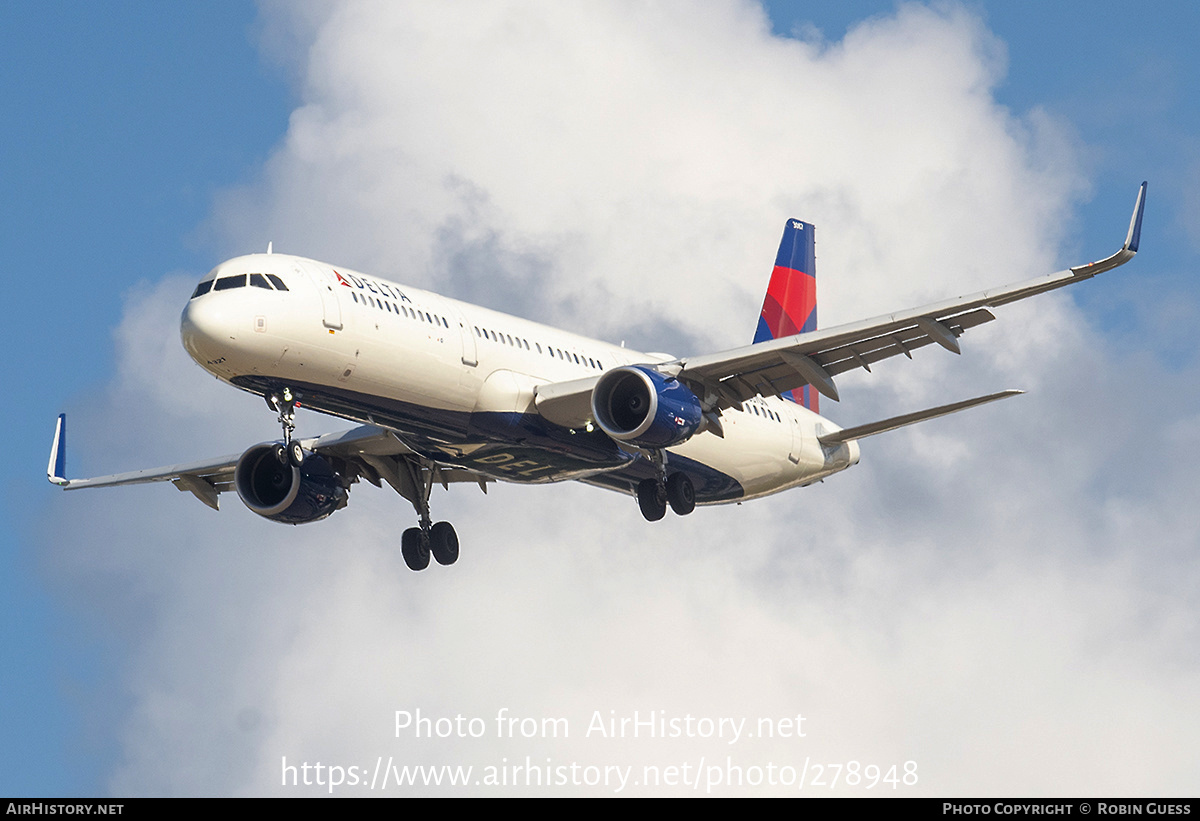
x=837 y=437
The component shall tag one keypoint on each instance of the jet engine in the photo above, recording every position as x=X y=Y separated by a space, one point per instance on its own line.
x=640 y=406
x=283 y=493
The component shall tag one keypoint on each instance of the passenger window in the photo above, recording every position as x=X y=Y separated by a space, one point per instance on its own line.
x=277 y=282
x=225 y=283
x=203 y=288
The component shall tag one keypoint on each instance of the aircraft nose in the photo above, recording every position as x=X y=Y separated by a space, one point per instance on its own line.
x=206 y=328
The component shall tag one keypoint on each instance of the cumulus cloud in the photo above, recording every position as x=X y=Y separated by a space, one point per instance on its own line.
x=1001 y=597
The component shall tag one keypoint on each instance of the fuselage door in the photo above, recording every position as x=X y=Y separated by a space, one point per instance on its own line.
x=470 y=355
x=797 y=439
x=327 y=285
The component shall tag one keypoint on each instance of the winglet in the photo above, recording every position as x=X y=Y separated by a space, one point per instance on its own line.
x=57 y=466
x=1135 y=223
x=1127 y=250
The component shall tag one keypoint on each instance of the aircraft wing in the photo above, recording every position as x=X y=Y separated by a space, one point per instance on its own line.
x=366 y=451
x=770 y=368
x=727 y=379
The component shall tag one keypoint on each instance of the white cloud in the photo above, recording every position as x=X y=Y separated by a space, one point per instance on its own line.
x=1001 y=597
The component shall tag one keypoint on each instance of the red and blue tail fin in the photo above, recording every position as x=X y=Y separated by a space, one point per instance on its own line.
x=790 y=306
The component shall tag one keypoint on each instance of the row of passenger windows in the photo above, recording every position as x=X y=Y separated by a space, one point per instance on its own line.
x=393 y=308
x=482 y=333
x=239 y=281
x=519 y=342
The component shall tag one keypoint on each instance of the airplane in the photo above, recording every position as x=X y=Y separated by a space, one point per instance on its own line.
x=448 y=392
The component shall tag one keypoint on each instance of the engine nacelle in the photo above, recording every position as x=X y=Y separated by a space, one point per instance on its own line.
x=283 y=493
x=640 y=406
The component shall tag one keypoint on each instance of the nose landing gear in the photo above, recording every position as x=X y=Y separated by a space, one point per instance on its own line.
x=289 y=452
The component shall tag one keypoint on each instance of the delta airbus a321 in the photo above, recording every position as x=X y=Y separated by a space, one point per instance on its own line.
x=450 y=392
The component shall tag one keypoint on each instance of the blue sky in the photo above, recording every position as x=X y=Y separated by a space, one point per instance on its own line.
x=126 y=122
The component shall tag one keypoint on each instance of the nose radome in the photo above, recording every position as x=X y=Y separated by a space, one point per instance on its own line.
x=206 y=327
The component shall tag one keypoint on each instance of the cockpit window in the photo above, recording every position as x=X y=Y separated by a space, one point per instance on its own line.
x=225 y=283
x=203 y=288
x=277 y=282
x=259 y=281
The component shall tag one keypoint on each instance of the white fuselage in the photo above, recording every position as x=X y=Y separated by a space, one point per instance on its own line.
x=457 y=382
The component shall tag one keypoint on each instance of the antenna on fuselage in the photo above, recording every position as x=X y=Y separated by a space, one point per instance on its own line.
x=269 y=244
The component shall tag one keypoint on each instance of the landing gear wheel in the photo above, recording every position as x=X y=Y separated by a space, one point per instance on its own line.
x=651 y=499
x=681 y=494
x=414 y=549
x=443 y=543
x=281 y=454
x=295 y=453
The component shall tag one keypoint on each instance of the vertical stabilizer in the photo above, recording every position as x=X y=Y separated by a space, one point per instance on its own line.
x=790 y=306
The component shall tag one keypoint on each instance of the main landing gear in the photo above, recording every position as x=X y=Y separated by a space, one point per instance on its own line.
x=289 y=451
x=439 y=540
x=654 y=495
